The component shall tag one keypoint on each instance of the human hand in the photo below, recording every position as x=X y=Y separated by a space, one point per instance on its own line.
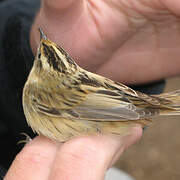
x=80 y=158
x=130 y=41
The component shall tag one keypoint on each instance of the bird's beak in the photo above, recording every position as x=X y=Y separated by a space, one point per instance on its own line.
x=42 y=35
x=43 y=38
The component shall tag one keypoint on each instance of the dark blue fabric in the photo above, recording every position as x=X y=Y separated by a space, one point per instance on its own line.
x=151 y=88
x=15 y=63
x=2 y=172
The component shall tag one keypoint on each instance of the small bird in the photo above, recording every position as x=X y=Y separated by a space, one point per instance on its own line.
x=61 y=100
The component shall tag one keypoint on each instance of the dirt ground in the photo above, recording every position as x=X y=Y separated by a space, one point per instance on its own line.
x=157 y=155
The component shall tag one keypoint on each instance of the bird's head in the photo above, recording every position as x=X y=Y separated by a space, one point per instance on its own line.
x=52 y=58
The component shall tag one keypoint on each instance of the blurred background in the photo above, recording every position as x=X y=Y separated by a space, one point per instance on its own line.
x=157 y=155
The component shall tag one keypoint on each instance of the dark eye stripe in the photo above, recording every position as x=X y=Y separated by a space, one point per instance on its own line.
x=39 y=55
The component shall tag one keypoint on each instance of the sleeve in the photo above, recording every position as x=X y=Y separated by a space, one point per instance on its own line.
x=151 y=88
x=16 y=61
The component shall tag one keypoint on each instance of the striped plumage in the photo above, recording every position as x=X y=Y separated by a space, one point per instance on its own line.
x=61 y=100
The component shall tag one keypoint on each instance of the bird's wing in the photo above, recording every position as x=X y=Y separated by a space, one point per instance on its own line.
x=105 y=105
x=94 y=99
x=102 y=105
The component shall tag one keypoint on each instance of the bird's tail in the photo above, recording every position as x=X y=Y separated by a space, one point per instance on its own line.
x=170 y=103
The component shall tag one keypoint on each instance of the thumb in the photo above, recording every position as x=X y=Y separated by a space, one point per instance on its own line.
x=57 y=18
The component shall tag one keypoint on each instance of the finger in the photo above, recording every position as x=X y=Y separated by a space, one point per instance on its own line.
x=58 y=19
x=34 y=161
x=60 y=7
x=172 y=5
x=129 y=140
x=60 y=4
x=88 y=157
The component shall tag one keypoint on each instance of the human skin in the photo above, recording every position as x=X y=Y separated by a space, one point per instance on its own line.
x=80 y=158
x=130 y=41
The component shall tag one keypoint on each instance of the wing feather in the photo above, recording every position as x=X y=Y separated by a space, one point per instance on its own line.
x=103 y=105
x=106 y=107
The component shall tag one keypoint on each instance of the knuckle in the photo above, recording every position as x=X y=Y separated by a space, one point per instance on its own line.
x=84 y=149
x=30 y=156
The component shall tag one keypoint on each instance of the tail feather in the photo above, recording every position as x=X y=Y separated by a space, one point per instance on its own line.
x=170 y=103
